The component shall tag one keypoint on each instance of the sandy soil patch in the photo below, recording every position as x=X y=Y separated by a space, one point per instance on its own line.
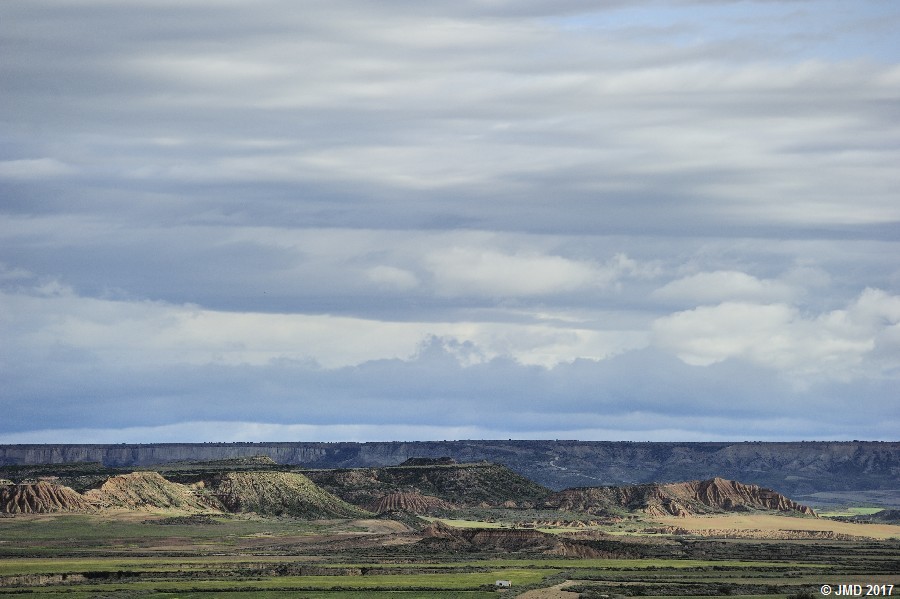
x=772 y=523
x=555 y=592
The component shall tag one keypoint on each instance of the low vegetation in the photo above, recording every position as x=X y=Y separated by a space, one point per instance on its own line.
x=250 y=528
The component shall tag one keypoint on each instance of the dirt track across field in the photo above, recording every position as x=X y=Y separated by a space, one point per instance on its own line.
x=555 y=592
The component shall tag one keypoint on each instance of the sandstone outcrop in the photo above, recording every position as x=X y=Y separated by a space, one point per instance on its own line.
x=676 y=499
x=730 y=495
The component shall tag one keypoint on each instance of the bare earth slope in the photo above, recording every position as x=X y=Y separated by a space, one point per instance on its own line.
x=42 y=497
x=146 y=491
x=414 y=503
x=278 y=493
x=459 y=484
x=438 y=534
x=677 y=499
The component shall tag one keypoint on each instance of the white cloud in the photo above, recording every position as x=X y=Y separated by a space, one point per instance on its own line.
x=834 y=344
x=724 y=285
x=122 y=333
x=392 y=277
x=460 y=271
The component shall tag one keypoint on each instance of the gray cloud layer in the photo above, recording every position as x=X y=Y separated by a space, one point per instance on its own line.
x=616 y=220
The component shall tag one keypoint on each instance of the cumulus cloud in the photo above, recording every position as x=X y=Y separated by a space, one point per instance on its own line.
x=718 y=286
x=833 y=344
x=464 y=271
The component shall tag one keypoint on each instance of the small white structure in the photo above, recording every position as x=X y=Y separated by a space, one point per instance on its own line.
x=502 y=583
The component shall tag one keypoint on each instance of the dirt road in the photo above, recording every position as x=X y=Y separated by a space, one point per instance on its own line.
x=554 y=592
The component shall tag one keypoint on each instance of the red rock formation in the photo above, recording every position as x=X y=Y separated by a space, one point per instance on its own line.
x=730 y=495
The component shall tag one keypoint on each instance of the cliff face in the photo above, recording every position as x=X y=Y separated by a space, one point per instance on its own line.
x=793 y=468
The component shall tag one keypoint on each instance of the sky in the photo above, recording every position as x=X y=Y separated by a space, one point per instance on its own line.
x=357 y=221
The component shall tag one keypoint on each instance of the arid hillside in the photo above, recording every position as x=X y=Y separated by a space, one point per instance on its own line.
x=716 y=495
x=414 y=503
x=279 y=494
x=146 y=491
x=460 y=484
x=267 y=493
x=440 y=536
x=41 y=498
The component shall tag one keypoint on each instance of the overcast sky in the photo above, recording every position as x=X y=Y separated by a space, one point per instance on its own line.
x=348 y=220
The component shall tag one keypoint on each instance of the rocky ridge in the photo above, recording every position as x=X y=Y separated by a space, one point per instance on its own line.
x=675 y=499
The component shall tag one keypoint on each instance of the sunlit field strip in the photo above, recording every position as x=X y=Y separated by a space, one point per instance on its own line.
x=13 y=566
x=73 y=593
x=638 y=563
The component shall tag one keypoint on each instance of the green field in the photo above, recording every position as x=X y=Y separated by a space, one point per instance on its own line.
x=850 y=511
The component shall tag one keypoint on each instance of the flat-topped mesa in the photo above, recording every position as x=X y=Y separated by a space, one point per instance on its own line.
x=42 y=497
x=676 y=499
